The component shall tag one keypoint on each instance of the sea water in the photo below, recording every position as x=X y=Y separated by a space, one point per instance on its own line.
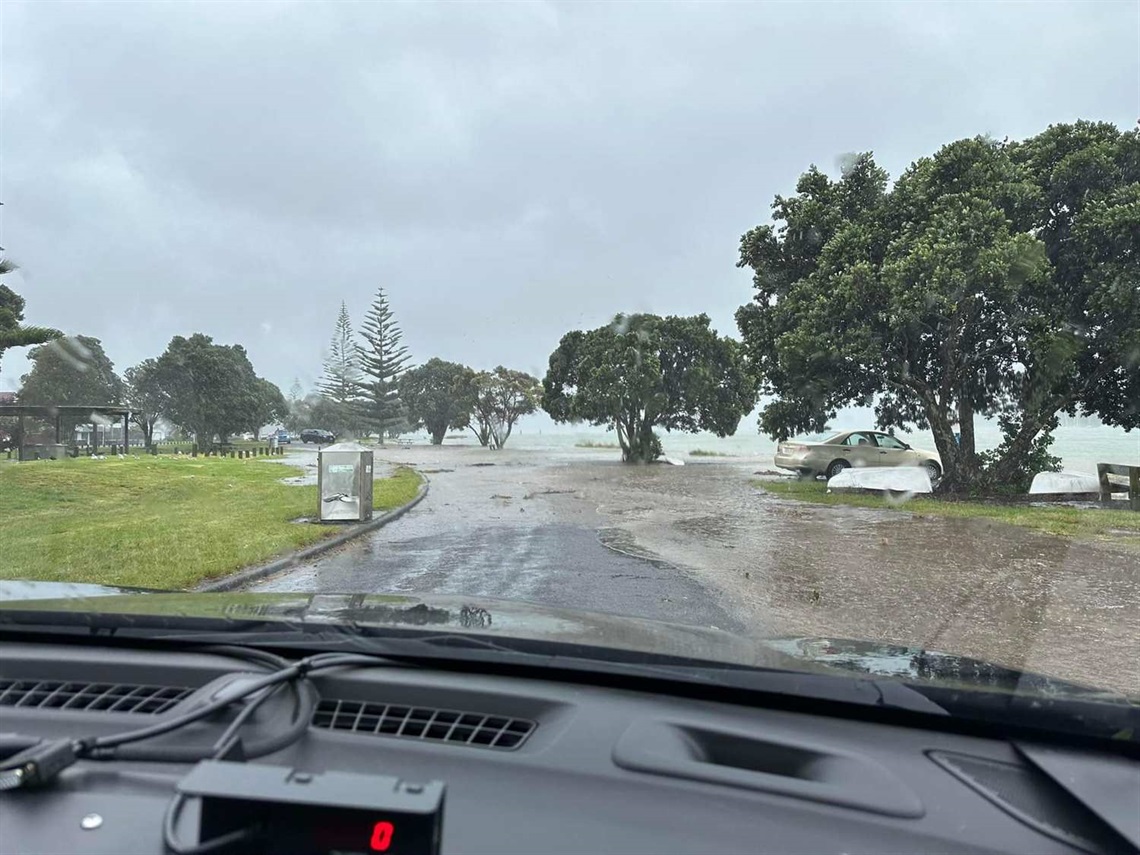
x=1080 y=448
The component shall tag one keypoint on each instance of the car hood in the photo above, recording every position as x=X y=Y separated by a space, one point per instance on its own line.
x=490 y=618
x=481 y=616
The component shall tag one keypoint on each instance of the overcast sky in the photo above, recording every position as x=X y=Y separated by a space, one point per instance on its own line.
x=507 y=171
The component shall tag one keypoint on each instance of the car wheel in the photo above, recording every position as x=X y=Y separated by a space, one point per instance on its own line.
x=836 y=467
x=932 y=470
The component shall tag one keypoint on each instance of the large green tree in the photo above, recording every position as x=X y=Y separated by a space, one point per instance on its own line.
x=269 y=406
x=71 y=370
x=145 y=397
x=501 y=398
x=340 y=383
x=645 y=371
x=13 y=331
x=438 y=395
x=383 y=359
x=994 y=280
x=212 y=390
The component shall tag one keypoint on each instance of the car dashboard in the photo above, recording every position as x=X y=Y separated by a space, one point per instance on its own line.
x=485 y=763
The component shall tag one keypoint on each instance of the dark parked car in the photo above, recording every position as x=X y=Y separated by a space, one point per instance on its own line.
x=321 y=437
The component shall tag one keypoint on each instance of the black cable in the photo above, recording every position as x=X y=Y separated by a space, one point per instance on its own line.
x=39 y=763
x=116 y=746
x=224 y=742
x=96 y=747
x=249 y=654
x=309 y=699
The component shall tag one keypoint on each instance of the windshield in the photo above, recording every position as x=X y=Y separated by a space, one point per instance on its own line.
x=535 y=320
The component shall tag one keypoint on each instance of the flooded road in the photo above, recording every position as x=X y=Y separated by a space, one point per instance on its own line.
x=701 y=544
x=492 y=531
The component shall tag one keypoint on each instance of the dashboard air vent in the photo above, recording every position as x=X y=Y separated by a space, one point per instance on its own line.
x=90 y=697
x=464 y=728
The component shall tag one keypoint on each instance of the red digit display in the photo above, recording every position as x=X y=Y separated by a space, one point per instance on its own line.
x=381 y=836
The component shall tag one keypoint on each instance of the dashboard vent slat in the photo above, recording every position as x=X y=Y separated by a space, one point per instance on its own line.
x=90 y=697
x=423 y=723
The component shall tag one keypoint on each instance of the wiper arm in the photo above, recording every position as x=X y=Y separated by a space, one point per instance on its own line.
x=471 y=649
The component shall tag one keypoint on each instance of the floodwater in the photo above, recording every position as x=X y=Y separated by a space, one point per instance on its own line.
x=702 y=544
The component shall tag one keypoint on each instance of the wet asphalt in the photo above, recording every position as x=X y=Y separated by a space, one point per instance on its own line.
x=498 y=531
x=705 y=544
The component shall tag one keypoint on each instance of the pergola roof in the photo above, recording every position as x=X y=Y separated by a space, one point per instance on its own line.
x=53 y=410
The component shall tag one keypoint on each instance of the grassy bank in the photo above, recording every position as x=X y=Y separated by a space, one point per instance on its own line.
x=591 y=444
x=1118 y=526
x=158 y=522
x=702 y=452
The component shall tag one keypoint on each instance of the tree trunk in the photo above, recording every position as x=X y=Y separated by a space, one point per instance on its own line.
x=967 y=448
x=1004 y=469
x=437 y=436
x=944 y=443
x=502 y=440
x=482 y=433
x=642 y=445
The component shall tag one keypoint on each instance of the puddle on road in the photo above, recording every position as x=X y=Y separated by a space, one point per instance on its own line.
x=623 y=542
x=707 y=528
x=969 y=586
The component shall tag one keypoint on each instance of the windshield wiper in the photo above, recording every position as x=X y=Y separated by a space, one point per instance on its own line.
x=440 y=649
x=810 y=691
x=543 y=659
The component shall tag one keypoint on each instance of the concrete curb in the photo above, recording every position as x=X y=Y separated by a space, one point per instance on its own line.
x=252 y=574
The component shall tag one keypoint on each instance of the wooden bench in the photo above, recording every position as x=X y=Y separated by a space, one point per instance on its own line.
x=1104 y=471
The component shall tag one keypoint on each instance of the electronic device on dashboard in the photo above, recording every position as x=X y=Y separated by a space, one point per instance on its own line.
x=303 y=813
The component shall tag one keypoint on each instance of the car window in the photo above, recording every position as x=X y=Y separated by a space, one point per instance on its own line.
x=863 y=439
x=830 y=436
x=886 y=441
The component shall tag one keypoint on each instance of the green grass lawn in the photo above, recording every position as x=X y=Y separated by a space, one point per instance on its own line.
x=158 y=522
x=1117 y=526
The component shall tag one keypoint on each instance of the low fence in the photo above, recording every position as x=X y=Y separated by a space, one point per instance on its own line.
x=188 y=449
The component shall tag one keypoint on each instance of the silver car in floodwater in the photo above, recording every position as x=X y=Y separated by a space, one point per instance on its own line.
x=831 y=453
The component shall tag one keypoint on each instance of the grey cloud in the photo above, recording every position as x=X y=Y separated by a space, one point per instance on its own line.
x=506 y=171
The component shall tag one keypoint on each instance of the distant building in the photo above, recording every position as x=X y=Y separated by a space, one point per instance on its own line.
x=99 y=433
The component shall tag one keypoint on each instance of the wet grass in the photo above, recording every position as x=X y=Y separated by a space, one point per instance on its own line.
x=158 y=522
x=1086 y=523
x=592 y=444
